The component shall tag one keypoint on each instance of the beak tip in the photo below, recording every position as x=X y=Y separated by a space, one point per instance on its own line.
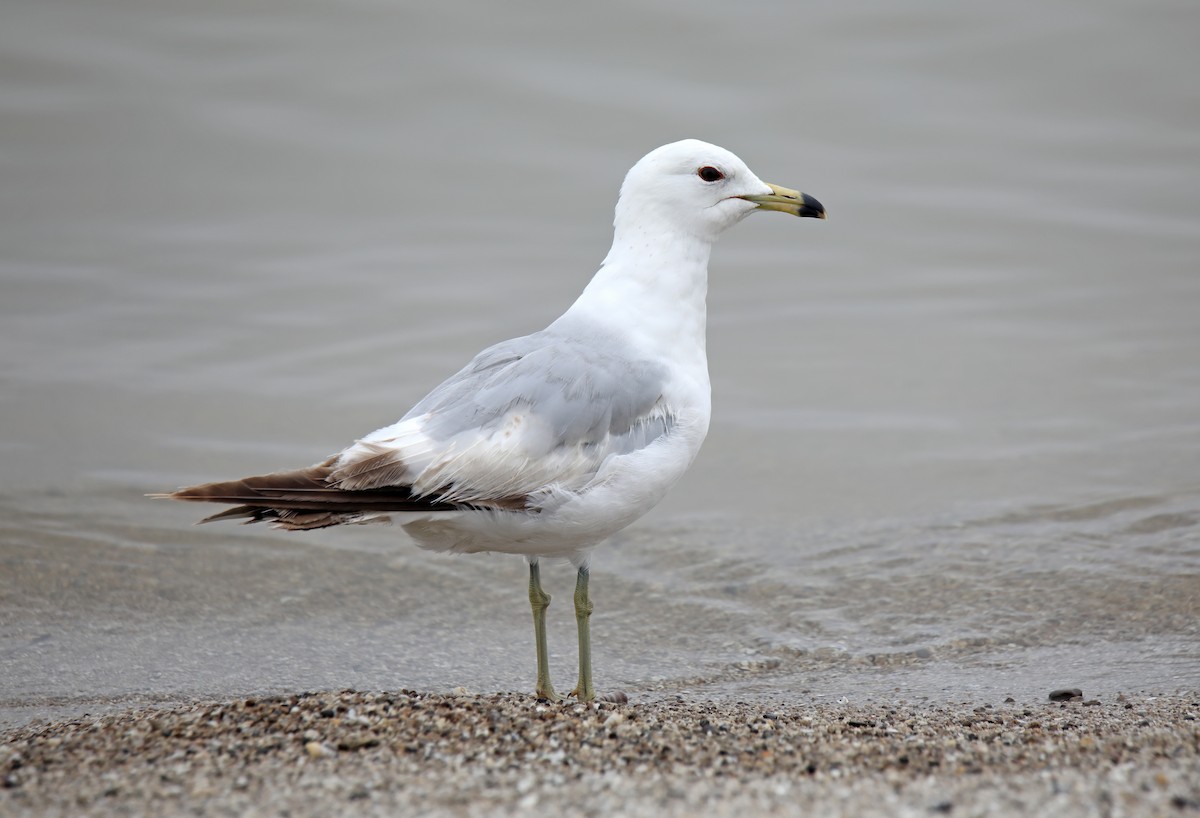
x=811 y=207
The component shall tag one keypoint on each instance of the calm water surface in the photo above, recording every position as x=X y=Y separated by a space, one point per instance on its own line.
x=956 y=443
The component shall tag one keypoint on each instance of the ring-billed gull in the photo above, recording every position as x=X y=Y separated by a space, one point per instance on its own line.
x=546 y=445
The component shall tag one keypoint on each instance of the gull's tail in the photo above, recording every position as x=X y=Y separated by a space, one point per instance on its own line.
x=304 y=499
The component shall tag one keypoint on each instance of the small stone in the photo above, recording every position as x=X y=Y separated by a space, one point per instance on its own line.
x=1065 y=694
x=358 y=742
x=316 y=749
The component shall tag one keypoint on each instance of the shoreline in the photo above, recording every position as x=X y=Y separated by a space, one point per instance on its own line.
x=387 y=752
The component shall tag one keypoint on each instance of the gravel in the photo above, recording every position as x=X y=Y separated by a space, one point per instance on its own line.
x=362 y=753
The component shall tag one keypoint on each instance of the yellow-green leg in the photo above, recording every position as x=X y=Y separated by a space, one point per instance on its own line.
x=539 y=600
x=583 y=615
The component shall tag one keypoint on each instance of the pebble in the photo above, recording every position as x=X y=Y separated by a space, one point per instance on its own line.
x=316 y=749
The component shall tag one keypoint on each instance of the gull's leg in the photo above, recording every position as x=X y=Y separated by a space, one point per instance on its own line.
x=539 y=600
x=583 y=615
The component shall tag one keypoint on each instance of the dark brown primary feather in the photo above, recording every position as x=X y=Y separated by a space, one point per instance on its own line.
x=307 y=498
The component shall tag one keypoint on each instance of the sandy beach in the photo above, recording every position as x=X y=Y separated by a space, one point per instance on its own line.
x=409 y=753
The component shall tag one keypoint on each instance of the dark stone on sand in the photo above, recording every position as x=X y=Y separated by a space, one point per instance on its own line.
x=1065 y=694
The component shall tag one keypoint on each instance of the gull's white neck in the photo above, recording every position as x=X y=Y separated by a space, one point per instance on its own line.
x=654 y=283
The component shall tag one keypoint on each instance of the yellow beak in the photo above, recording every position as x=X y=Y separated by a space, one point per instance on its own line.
x=786 y=200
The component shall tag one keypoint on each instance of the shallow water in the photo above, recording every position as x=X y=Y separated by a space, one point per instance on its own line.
x=956 y=443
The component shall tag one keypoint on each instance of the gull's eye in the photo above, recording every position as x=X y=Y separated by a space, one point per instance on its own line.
x=710 y=174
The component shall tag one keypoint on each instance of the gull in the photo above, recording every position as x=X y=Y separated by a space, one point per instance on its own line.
x=546 y=445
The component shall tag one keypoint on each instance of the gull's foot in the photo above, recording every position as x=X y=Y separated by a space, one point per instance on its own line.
x=548 y=695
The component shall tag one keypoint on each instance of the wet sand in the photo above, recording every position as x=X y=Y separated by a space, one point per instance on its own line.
x=416 y=753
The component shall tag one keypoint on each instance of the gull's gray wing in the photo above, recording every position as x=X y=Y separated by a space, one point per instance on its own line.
x=543 y=410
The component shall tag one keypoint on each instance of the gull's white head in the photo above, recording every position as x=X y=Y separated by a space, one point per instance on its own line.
x=698 y=189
